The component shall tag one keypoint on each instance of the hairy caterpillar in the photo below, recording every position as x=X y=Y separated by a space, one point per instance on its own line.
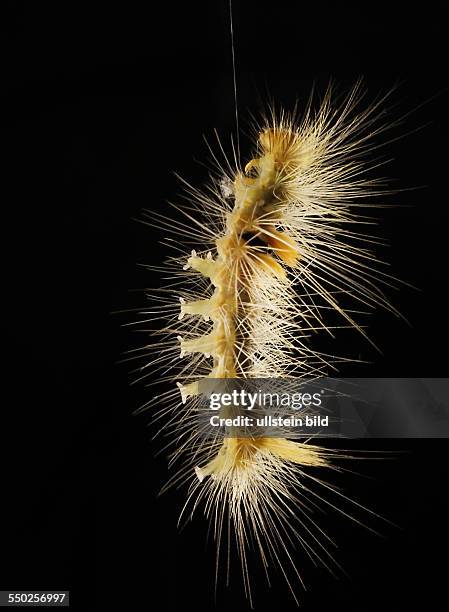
x=276 y=250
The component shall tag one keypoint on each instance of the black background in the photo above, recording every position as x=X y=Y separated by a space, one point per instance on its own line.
x=102 y=104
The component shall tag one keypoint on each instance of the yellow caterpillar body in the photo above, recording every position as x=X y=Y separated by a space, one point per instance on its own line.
x=279 y=252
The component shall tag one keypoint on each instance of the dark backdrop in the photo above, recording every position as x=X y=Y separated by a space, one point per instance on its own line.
x=102 y=104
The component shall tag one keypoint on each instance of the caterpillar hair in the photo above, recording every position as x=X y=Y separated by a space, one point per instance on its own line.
x=277 y=249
